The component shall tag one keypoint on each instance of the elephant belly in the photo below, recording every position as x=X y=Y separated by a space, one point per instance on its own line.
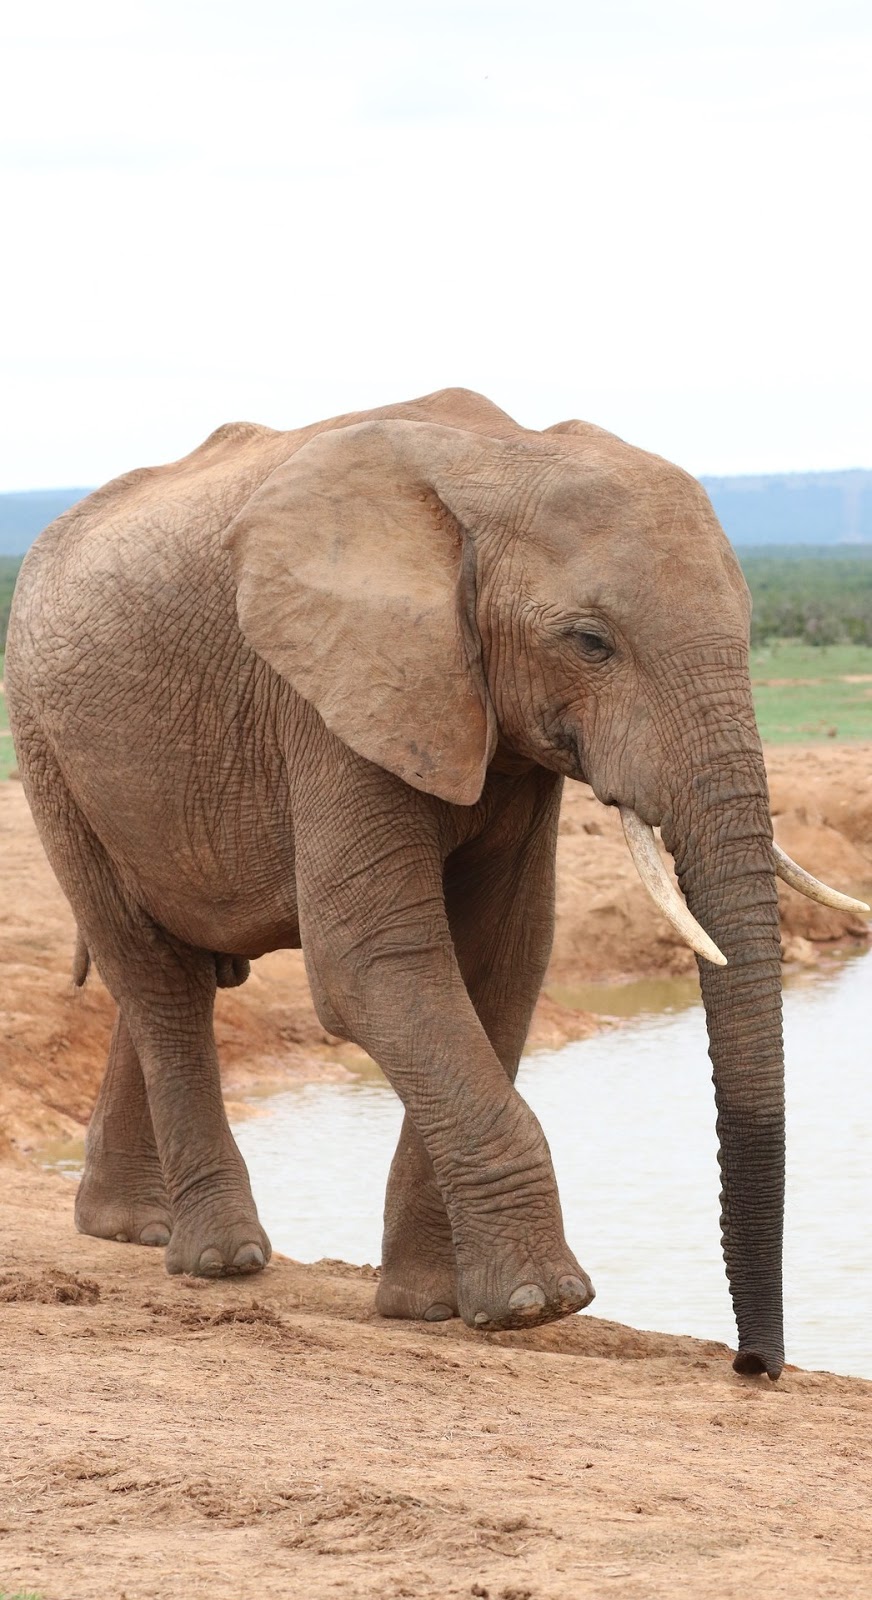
x=230 y=931
x=220 y=901
x=216 y=872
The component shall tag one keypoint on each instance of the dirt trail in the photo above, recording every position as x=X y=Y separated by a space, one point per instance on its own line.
x=232 y=1441
x=235 y=1441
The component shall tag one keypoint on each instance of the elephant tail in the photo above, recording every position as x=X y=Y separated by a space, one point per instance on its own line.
x=81 y=961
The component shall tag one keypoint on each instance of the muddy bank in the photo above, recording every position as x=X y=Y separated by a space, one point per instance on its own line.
x=54 y=1039
x=228 y=1441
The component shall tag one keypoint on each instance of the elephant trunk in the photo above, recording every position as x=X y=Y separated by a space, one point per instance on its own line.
x=720 y=834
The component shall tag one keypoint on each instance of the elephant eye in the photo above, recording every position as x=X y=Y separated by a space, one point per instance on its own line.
x=593 y=646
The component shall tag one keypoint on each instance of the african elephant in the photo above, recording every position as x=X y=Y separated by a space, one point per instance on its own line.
x=321 y=689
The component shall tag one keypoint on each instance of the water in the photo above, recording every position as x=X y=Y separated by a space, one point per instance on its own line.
x=629 y=1116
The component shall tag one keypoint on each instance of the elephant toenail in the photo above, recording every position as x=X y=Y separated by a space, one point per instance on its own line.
x=155 y=1233
x=210 y=1263
x=121 y=1238
x=481 y=1317
x=249 y=1258
x=578 y=1293
x=438 y=1312
x=527 y=1301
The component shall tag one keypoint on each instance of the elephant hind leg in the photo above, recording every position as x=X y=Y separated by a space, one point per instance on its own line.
x=166 y=993
x=163 y=1086
x=122 y=1194
x=419 y=1268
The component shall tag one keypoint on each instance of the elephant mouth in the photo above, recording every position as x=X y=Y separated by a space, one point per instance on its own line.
x=565 y=739
x=668 y=899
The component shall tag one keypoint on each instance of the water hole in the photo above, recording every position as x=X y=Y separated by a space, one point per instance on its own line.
x=629 y=1116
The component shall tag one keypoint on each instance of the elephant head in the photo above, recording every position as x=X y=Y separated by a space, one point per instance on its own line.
x=441 y=595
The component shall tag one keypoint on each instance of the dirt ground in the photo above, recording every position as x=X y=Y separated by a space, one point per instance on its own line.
x=167 y=1437
x=274 y=1437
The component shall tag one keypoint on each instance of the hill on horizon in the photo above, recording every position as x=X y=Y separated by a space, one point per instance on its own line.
x=820 y=508
x=25 y=512
x=816 y=508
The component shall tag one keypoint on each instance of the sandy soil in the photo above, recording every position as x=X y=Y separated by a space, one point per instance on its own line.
x=167 y=1437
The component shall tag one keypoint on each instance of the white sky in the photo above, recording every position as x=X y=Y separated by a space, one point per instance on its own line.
x=654 y=214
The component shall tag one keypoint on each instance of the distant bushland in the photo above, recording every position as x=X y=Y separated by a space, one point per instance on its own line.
x=8 y=573
x=820 y=596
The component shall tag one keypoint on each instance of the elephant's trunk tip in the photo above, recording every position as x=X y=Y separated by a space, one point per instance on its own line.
x=752 y=1364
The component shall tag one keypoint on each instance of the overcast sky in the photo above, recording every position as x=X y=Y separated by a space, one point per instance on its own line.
x=653 y=214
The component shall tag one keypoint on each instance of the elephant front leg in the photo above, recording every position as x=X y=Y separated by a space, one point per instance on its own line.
x=418 y=1266
x=475 y=1157
x=122 y=1194
x=499 y=894
x=381 y=956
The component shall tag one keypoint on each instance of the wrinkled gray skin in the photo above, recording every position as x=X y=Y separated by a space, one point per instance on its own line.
x=322 y=688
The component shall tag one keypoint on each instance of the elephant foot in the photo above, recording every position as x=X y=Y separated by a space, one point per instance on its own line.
x=418 y=1291
x=126 y=1203
x=219 y=1242
x=501 y=1295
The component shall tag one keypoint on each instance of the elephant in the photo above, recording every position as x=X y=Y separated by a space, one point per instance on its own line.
x=321 y=689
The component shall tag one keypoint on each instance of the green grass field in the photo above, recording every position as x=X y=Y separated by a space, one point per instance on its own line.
x=805 y=694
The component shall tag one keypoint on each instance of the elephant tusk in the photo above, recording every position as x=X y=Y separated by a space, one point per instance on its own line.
x=643 y=849
x=799 y=879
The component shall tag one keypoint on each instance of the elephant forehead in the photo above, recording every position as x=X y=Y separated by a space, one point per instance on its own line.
x=654 y=578
x=636 y=493
x=633 y=528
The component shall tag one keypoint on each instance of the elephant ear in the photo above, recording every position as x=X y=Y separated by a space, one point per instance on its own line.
x=355 y=582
